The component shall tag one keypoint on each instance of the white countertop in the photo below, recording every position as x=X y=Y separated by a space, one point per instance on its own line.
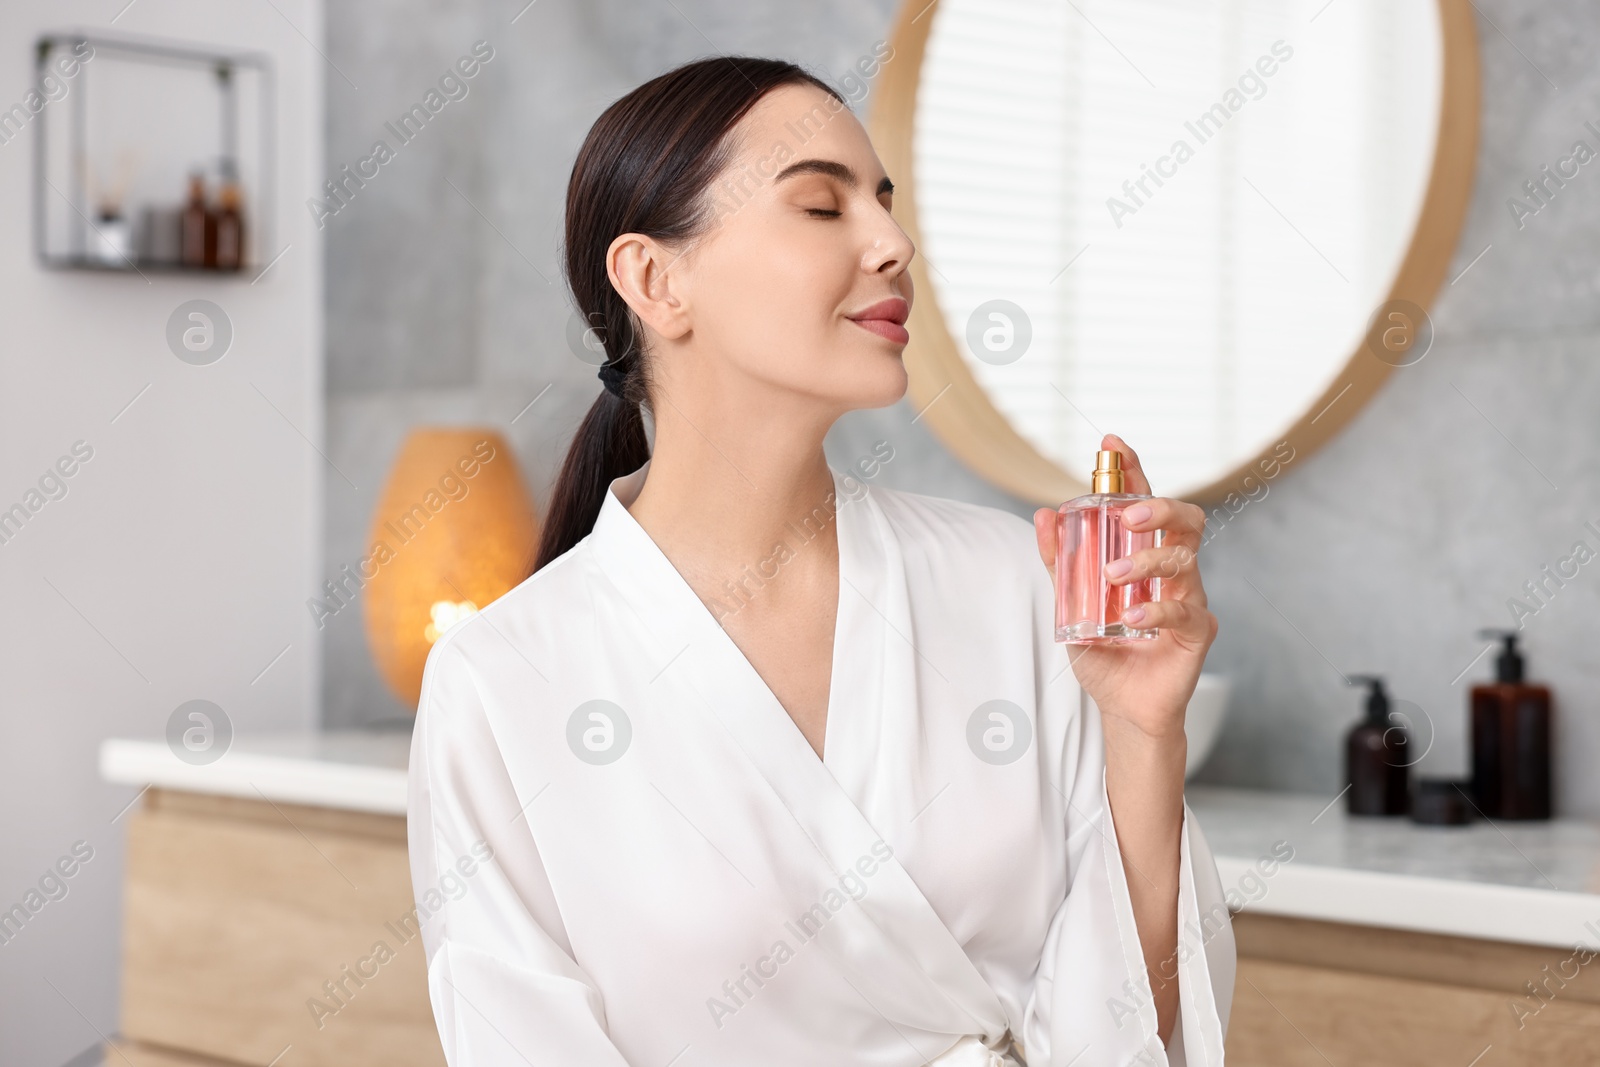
x=1535 y=883
x=357 y=770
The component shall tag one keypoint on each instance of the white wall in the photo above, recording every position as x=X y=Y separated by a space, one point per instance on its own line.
x=178 y=562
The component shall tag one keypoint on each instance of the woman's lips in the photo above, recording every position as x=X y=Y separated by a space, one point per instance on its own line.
x=885 y=328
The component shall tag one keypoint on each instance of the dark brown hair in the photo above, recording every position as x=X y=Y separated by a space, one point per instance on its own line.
x=646 y=167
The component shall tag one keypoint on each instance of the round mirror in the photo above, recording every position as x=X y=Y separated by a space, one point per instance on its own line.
x=1209 y=227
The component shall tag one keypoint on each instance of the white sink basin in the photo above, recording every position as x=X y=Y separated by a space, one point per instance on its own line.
x=1202 y=721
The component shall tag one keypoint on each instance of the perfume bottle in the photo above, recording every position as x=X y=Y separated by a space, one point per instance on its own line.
x=1089 y=535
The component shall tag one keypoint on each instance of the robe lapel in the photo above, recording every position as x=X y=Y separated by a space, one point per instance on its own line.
x=890 y=945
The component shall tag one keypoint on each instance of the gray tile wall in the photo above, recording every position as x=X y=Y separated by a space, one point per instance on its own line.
x=1382 y=552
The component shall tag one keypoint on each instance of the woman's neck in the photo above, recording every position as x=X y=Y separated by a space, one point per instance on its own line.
x=722 y=492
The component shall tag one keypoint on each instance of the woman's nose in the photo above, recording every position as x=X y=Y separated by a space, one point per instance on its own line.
x=890 y=252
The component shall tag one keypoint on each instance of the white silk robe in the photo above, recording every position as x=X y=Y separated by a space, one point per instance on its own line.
x=684 y=882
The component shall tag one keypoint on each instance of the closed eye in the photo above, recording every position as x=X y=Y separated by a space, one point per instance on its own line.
x=822 y=212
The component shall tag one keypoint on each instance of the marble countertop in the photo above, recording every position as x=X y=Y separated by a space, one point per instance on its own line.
x=1534 y=883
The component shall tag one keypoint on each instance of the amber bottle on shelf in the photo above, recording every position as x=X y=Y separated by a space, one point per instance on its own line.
x=197 y=245
x=229 y=222
x=1511 y=722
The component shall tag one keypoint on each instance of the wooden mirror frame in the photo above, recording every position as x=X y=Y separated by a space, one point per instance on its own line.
x=959 y=410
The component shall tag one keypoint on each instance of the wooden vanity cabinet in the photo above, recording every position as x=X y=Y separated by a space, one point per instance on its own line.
x=259 y=932
x=1312 y=993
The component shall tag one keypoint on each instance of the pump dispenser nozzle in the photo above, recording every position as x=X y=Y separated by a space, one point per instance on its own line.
x=1377 y=699
x=1508 y=666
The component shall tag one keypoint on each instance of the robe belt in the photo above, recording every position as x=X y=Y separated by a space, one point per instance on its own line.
x=970 y=1051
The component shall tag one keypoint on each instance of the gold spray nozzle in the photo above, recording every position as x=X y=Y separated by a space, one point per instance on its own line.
x=1107 y=472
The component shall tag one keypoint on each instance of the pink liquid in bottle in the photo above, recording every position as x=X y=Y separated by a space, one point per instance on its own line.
x=1089 y=535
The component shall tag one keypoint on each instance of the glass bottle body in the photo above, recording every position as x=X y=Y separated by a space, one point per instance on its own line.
x=1511 y=750
x=1090 y=534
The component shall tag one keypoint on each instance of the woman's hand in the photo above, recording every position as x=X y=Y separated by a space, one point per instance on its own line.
x=1147 y=684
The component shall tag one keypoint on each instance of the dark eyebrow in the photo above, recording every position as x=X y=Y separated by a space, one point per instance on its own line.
x=833 y=170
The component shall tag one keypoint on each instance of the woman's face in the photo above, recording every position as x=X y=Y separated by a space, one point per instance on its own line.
x=804 y=242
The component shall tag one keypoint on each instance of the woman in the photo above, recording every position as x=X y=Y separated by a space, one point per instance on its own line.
x=775 y=768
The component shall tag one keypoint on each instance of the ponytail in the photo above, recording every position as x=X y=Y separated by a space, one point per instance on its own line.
x=610 y=443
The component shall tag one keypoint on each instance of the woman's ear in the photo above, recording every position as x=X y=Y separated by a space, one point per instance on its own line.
x=640 y=270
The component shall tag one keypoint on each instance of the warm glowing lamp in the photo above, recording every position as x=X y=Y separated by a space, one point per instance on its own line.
x=454 y=529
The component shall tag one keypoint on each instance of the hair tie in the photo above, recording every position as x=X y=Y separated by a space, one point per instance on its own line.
x=612 y=375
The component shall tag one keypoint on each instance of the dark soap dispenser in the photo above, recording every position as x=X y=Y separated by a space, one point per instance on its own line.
x=1511 y=721
x=1376 y=765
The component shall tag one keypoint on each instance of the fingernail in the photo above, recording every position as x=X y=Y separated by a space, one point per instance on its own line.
x=1118 y=567
x=1133 y=614
x=1136 y=514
